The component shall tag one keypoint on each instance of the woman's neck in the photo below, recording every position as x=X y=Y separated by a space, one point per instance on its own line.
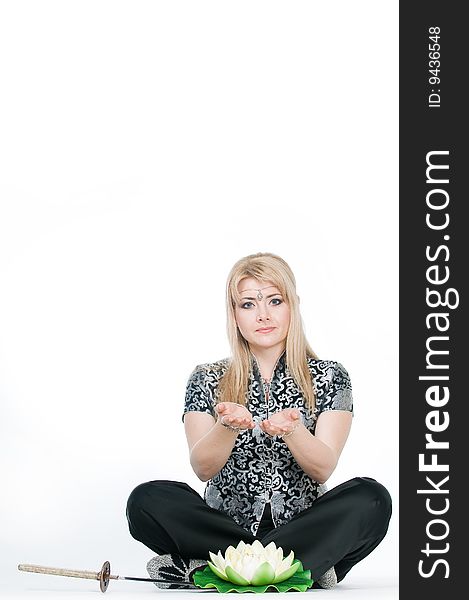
x=267 y=359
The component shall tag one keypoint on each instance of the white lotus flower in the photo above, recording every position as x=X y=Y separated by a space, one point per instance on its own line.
x=252 y=564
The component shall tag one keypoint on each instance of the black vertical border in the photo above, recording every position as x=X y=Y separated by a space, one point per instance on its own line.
x=425 y=128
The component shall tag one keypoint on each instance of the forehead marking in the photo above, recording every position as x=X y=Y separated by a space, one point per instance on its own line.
x=259 y=291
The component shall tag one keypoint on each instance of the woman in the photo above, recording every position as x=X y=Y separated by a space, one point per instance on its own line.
x=265 y=429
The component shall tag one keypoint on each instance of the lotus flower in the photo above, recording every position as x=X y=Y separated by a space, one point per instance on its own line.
x=253 y=564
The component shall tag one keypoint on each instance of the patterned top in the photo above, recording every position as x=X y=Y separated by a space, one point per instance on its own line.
x=261 y=468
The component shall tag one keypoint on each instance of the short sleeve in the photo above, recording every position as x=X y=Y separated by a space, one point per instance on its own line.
x=198 y=397
x=339 y=393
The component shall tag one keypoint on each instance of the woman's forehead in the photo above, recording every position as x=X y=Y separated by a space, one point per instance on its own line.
x=250 y=284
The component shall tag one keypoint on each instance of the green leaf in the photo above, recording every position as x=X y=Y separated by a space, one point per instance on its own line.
x=300 y=582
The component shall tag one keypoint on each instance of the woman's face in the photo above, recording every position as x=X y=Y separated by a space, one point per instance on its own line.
x=262 y=315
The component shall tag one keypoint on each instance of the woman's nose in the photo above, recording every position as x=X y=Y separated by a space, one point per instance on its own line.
x=262 y=314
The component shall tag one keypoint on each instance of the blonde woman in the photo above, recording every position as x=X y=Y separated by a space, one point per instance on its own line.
x=265 y=430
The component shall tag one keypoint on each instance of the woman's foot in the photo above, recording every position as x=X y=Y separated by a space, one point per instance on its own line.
x=174 y=569
x=328 y=579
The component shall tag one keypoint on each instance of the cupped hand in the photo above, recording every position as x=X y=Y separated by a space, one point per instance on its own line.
x=236 y=415
x=281 y=422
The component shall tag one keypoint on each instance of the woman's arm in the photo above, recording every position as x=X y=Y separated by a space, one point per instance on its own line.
x=319 y=454
x=316 y=454
x=210 y=443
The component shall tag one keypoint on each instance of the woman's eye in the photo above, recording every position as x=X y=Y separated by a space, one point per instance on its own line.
x=276 y=301
x=247 y=305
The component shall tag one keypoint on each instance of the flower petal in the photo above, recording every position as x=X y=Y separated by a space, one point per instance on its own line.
x=257 y=547
x=286 y=562
x=271 y=547
x=218 y=561
x=283 y=575
x=249 y=566
x=263 y=575
x=232 y=556
x=217 y=572
x=235 y=577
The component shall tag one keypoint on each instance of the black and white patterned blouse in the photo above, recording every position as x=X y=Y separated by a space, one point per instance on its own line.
x=261 y=468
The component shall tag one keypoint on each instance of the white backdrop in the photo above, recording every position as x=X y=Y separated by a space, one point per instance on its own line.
x=145 y=147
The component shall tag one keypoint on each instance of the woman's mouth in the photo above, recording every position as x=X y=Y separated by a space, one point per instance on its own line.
x=265 y=330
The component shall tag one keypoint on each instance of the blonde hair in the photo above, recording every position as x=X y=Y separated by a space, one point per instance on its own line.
x=264 y=267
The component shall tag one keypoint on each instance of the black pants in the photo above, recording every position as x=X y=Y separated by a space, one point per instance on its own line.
x=342 y=527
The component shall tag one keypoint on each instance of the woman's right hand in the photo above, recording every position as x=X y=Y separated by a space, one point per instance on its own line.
x=235 y=415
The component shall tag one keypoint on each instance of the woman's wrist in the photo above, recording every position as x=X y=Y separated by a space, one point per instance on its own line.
x=229 y=427
x=288 y=433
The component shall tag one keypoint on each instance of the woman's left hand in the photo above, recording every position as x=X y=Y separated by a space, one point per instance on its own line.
x=282 y=422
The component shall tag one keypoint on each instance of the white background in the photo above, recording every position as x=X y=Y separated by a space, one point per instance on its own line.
x=145 y=147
